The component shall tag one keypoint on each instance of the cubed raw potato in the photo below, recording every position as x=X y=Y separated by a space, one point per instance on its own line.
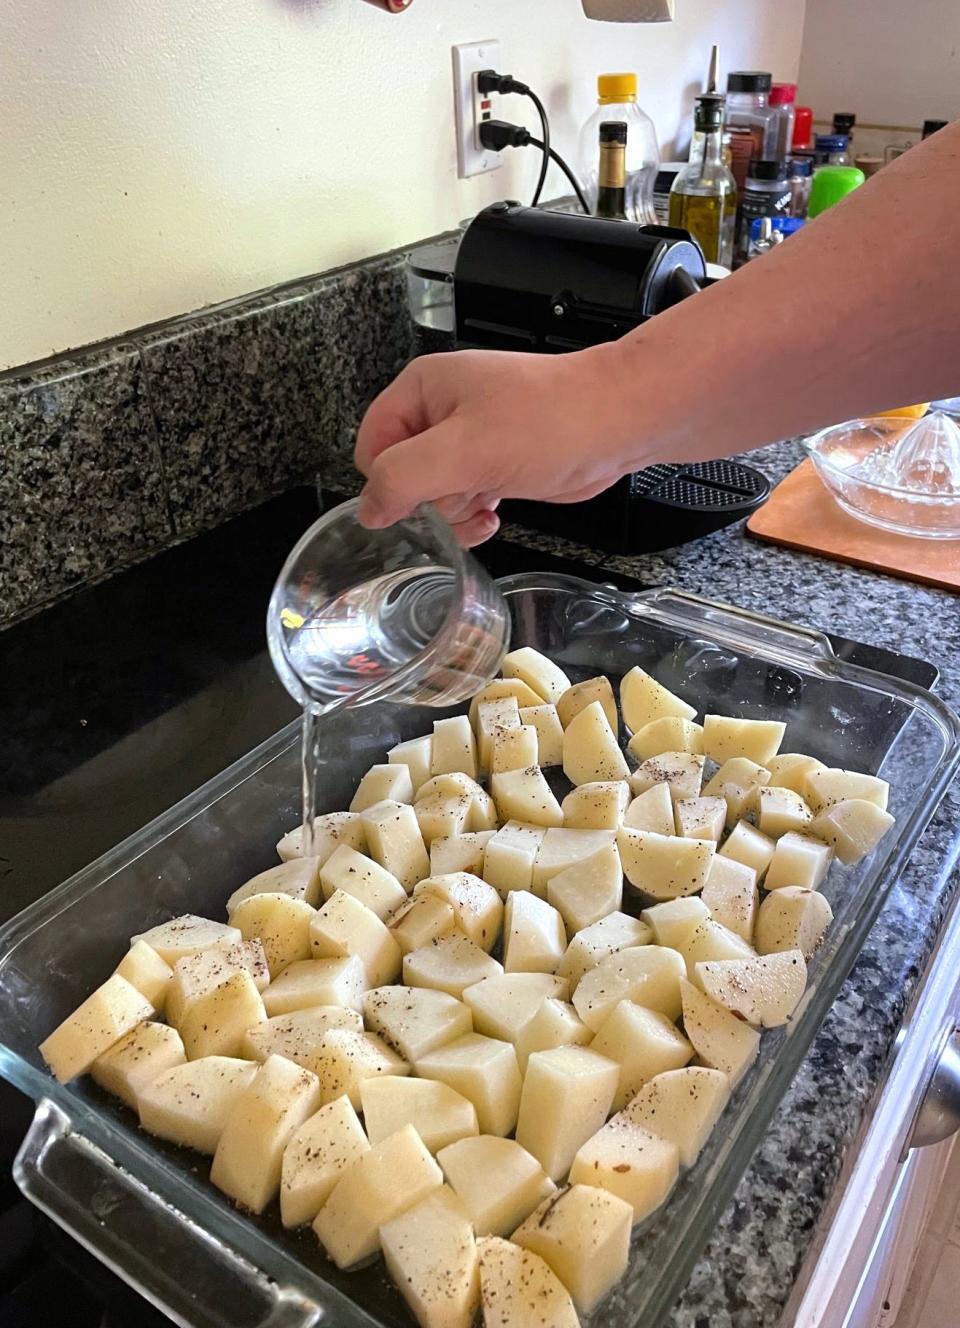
x=503 y=1006
x=749 y=846
x=682 y=1105
x=215 y=1023
x=662 y=865
x=195 y=975
x=798 y=860
x=364 y=879
x=514 y=748
x=617 y=931
x=454 y=747
x=555 y=1024
x=280 y=923
x=379 y=1185
x=298 y=1035
x=647 y=974
x=590 y=748
x=441 y=1114
x=299 y=878
x=764 y=990
x=596 y=806
x=780 y=810
x=456 y=853
x=582 y=694
x=589 y=890
x=312 y=982
x=675 y=920
x=431 y=1255
x=561 y=848
x=828 y=786
x=484 y=1070
x=186 y=935
x=422 y=921
x=567 y=1095
x=492 y=715
x=249 y=1158
x=534 y=938
x=133 y=1062
x=344 y=1059
x=682 y=772
x=735 y=782
x=546 y=721
x=643 y=1043
x=449 y=964
x=792 y=919
x=477 y=906
x=625 y=1159
x=667 y=734
x=415 y=1020
x=731 y=895
x=190 y=1103
x=143 y=968
x=483 y=813
x=701 y=818
x=651 y=810
x=497 y=690
x=583 y=1233
x=524 y=795
x=790 y=770
x=396 y=842
x=720 y=1039
x=102 y=1020
x=417 y=755
x=498 y=1182
x=329 y=831
x=755 y=739
x=540 y=674
x=852 y=828
x=510 y=855
x=519 y=1290
x=390 y=781
x=318 y=1154
x=643 y=699
x=346 y=927
x=712 y=941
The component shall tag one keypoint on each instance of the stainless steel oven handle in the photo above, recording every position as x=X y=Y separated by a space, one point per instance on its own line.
x=938 y=1115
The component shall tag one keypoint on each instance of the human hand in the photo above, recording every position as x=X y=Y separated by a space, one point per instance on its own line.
x=464 y=429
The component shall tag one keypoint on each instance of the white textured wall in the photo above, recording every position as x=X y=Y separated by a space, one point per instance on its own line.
x=160 y=155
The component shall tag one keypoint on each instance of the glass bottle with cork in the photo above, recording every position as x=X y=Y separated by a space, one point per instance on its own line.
x=617 y=100
x=703 y=199
x=612 y=174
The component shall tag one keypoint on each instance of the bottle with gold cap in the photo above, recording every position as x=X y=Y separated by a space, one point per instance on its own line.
x=617 y=101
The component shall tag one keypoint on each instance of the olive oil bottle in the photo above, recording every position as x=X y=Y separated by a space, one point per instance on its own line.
x=703 y=199
x=612 y=179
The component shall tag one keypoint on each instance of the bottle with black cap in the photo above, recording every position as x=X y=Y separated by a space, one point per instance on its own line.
x=748 y=107
x=844 y=122
x=767 y=194
x=703 y=198
x=612 y=178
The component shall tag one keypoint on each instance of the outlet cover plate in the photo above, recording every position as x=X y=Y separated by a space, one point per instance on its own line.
x=468 y=59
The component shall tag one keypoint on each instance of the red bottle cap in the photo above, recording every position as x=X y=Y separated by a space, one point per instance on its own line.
x=802 y=127
x=783 y=94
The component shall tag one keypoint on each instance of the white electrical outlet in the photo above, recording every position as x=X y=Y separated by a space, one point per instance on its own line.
x=471 y=107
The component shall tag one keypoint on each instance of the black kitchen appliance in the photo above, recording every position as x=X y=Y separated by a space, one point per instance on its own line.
x=531 y=280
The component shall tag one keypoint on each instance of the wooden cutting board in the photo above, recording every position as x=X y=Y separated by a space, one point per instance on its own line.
x=801 y=514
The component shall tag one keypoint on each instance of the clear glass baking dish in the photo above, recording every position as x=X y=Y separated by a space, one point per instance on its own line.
x=148 y=1210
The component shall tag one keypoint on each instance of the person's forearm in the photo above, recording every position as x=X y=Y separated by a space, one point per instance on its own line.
x=857 y=313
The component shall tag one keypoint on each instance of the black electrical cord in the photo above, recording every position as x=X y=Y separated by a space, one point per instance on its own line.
x=544 y=146
x=574 y=183
x=500 y=134
x=488 y=80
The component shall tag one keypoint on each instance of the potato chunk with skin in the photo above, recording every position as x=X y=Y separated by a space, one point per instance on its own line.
x=312 y=982
x=103 y=1019
x=599 y=805
x=617 y=931
x=478 y=908
x=546 y=721
x=189 y=1104
x=583 y=1233
x=662 y=865
x=366 y=880
x=318 y=1154
x=764 y=990
x=675 y=920
x=556 y=1024
x=524 y=795
x=329 y=831
x=648 y=974
x=383 y=781
x=502 y=713
x=590 y=748
x=780 y=810
x=513 y=748
x=299 y=878
x=422 y=921
x=720 y=1039
x=701 y=818
x=651 y=810
x=539 y=673
x=561 y=848
x=497 y=1180
x=756 y=739
x=440 y=1114
x=431 y=1255
x=485 y=1071
x=345 y=927
x=280 y=923
x=519 y=1290
x=731 y=895
x=415 y=1020
x=643 y=1043
x=735 y=782
x=298 y=1035
x=130 y=1064
x=195 y=975
x=852 y=828
x=459 y=853
x=534 y=938
x=186 y=935
x=682 y=772
x=510 y=855
x=682 y=1105
x=643 y=699
x=629 y=1161
x=144 y=969
x=793 y=919
x=503 y=1006
x=798 y=860
x=454 y=747
x=828 y=786
x=567 y=1094
x=378 y=1186
x=417 y=755
x=248 y=1162
x=581 y=694
x=396 y=842
x=712 y=941
x=448 y=964
x=345 y=1058
x=589 y=890
x=749 y=846
x=670 y=733
x=216 y=1023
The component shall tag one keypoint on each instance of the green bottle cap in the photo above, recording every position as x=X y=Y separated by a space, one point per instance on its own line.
x=830 y=184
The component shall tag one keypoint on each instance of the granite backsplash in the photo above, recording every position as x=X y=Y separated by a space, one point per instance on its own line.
x=113 y=452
